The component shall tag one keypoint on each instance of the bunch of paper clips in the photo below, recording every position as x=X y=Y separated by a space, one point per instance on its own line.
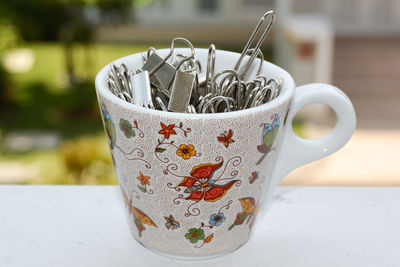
x=177 y=83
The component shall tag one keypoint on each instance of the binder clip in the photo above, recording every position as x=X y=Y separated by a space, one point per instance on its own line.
x=182 y=87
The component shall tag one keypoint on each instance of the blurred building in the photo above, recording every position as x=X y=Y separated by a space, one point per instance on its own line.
x=202 y=12
x=356 y=17
x=335 y=41
x=202 y=20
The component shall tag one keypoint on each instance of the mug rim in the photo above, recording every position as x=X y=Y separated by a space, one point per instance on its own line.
x=286 y=92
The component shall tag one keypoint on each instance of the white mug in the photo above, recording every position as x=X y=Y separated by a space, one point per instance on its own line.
x=193 y=184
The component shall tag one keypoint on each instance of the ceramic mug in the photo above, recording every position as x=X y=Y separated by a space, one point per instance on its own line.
x=193 y=184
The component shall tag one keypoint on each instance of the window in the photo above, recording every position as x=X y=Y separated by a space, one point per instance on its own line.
x=258 y=3
x=208 y=5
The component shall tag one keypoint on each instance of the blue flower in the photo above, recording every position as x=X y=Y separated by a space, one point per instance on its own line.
x=217 y=219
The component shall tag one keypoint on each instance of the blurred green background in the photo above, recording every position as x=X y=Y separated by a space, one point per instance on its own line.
x=51 y=50
x=50 y=125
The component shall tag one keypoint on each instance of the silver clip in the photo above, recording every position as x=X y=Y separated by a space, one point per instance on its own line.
x=160 y=104
x=141 y=89
x=255 y=52
x=191 y=109
x=210 y=70
x=262 y=96
x=221 y=88
x=182 y=87
x=214 y=104
x=161 y=72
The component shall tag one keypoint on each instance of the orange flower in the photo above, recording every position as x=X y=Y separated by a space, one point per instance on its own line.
x=186 y=151
x=143 y=179
x=167 y=130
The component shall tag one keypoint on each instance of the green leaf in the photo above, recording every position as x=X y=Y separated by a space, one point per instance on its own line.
x=160 y=150
x=241 y=217
x=200 y=234
x=124 y=123
x=131 y=132
x=261 y=159
x=143 y=189
x=194 y=240
x=126 y=128
x=188 y=236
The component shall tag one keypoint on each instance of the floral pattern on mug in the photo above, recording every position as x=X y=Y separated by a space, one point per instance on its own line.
x=144 y=181
x=171 y=223
x=254 y=176
x=139 y=217
x=109 y=126
x=270 y=132
x=129 y=132
x=167 y=130
x=201 y=185
x=250 y=210
x=217 y=219
x=184 y=151
x=194 y=235
x=226 y=138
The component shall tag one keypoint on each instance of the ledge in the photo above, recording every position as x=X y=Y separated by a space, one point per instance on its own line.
x=305 y=226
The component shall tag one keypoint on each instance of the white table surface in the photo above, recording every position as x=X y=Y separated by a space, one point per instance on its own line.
x=305 y=226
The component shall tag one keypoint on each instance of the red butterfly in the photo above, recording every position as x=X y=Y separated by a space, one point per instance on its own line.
x=226 y=138
x=201 y=185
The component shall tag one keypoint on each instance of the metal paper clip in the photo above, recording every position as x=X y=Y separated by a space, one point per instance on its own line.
x=222 y=87
x=124 y=74
x=208 y=79
x=278 y=86
x=202 y=100
x=254 y=53
x=160 y=104
x=214 y=104
x=262 y=96
x=172 y=83
x=249 y=98
x=191 y=109
x=260 y=55
x=237 y=90
x=114 y=76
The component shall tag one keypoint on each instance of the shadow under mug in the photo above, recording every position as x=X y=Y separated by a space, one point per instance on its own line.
x=193 y=184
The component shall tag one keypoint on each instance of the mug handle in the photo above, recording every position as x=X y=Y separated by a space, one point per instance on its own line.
x=296 y=151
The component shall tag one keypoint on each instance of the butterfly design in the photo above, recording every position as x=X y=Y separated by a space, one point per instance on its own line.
x=139 y=217
x=109 y=126
x=268 y=138
x=226 y=138
x=253 y=177
x=171 y=223
x=201 y=186
x=249 y=213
